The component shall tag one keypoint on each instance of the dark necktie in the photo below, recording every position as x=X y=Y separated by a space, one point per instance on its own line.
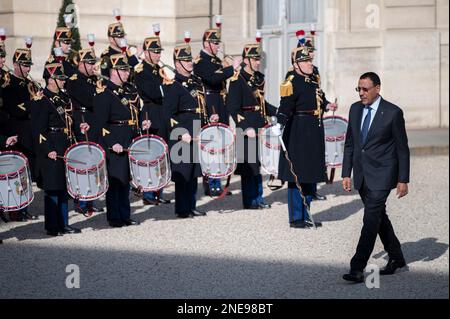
x=366 y=125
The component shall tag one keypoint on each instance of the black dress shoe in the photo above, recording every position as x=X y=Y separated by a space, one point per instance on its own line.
x=71 y=230
x=264 y=206
x=131 y=222
x=97 y=210
x=299 y=224
x=116 y=224
x=31 y=217
x=310 y=224
x=184 y=215
x=229 y=193
x=54 y=233
x=164 y=201
x=354 y=276
x=197 y=213
x=317 y=196
x=150 y=202
x=252 y=207
x=392 y=266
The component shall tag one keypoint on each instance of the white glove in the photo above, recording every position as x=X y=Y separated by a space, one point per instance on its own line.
x=276 y=130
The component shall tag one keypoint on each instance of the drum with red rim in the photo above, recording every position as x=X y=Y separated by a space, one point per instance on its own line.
x=149 y=163
x=269 y=150
x=86 y=173
x=217 y=150
x=335 y=132
x=16 y=189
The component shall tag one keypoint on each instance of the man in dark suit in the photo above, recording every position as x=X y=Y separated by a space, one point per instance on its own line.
x=376 y=149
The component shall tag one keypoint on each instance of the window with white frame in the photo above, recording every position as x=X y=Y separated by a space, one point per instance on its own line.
x=299 y=11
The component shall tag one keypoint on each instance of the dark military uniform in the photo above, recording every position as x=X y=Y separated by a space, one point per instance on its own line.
x=247 y=105
x=52 y=132
x=81 y=90
x=301 y=109
x=16 y=100
x=63 y=34
x=149 y=81
x=17 y=96
x=184 y=106
x=214 y=76
x=116 y=31
x=118 y=120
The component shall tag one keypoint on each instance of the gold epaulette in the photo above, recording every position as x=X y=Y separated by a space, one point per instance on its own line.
x=235 y=76
x=139 y=68
x=105 y=52
x=37 y=97
x=100 y=87
x=168 y=81
x=286 y=88
x=51 y=59
x=6 y=79
x=74 y=77
x=197 y=59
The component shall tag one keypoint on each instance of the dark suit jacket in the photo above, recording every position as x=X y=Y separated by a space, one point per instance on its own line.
x=383 y=161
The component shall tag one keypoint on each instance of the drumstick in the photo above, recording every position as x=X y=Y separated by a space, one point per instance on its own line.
x=71 y=160
x=334 y=118
x=132 y=151
x=146 y=118
x=86 y=134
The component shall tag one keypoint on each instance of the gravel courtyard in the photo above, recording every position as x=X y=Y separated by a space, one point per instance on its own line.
x=232 y=253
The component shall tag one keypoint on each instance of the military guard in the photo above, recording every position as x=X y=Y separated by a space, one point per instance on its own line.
x=52 y=127
x=214 y=73
x=17 y=96
x=184 y=106
x=117 y=45
x=4 y=75
x=301 y=110
x=81 y=87
x=250 y=111
x=149 y=79
x=309 y=42
x=118 y=119
x=62 y=52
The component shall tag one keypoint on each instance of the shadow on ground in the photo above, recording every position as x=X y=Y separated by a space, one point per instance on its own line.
x=40 y=272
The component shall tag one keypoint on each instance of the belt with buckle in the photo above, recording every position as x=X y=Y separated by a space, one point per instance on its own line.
x=82 y=109
x=305 y=113
x=123 y=122
x=187 y=111
x=57 y=130
x=251 y=108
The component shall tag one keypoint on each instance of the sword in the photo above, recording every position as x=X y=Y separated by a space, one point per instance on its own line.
x=297 y=183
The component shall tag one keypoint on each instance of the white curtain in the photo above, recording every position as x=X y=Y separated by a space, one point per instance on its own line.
x=303 y=11
x=268 y=12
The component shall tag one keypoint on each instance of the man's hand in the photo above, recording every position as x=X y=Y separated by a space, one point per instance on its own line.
x=187 y=138
x=84 y=127
x=117 y=148
x=347 y=184
x=237 y=63
x=276 y=130
x=250 y=133
x=402 y=190
x=332 y=107
x=11 y=141
x=146 y=125
x=214 y=118
x=52 y=155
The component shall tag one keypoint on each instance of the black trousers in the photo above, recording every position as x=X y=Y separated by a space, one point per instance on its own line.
x=376 y=222
x=118 y=201
x=186 y=196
